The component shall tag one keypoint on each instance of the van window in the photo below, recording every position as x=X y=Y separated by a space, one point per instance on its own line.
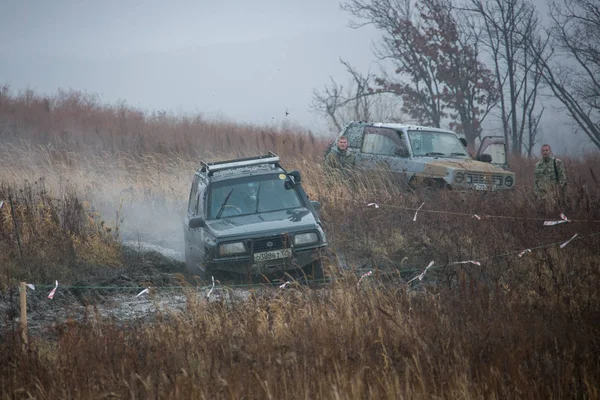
x=383 y=141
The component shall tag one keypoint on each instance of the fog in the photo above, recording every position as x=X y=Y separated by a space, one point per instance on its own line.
x=248 y=62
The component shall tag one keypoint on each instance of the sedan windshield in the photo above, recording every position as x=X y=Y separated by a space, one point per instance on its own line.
x=252 y=195
x=427 y=143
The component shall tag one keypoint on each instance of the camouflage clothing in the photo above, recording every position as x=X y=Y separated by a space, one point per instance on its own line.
x=340 y=159
x=549 y=173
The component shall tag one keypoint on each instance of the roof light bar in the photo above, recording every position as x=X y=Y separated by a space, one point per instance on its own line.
x=269 y=158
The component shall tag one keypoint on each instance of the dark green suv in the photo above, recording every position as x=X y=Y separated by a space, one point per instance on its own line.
x=251 y=217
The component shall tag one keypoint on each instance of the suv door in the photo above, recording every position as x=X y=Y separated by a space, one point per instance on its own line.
x=354 y=132
x=493 y=147
x=384 y=148
x=194 y=238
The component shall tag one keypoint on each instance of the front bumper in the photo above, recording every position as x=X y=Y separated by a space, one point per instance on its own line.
x=245 y=264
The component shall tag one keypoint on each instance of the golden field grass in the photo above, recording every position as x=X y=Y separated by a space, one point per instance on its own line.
x=514 y=327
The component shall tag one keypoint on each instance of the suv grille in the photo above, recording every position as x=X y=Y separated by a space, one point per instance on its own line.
x=270 y=243
x=494 y=179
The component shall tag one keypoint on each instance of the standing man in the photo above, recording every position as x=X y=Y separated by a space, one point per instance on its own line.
x=341 y=158
x=549 y=173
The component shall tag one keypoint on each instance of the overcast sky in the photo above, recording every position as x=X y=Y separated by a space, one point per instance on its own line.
x=246 y=61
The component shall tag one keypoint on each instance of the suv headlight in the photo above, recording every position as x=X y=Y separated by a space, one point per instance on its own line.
x=459 y=177
x=232 y=248
x=508 y=181
x=306 y=238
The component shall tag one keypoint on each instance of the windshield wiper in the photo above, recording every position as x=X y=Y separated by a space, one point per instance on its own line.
x=257 y=197
x=223 y=204
x=457 y=154
x=433 y=153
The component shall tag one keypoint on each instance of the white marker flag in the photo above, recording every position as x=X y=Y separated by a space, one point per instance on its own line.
x=563 y=219
x=416 y=212
x=476 y=216
x=562 y=246
x=422 y=274
x=283 y=286
x=521 y=254
x=212 y=288
x=53 y=291
x=147 y=290
x=364 y=276
x=1 y=204
x=467 y=262
x=373 y=205
x=30 y=286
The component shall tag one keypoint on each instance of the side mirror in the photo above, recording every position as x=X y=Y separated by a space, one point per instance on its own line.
x=463 y=141
x=296 y=175
x=485 y=158
x=196 y=222
x=401 y=151
x=316 y=205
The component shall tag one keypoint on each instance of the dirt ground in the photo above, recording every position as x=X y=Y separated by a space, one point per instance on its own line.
x=117 y=296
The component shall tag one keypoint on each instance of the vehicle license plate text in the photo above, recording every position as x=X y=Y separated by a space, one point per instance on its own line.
x=480 y=186
x=272 y=255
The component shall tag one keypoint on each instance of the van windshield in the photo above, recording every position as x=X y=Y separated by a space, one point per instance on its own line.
x=430 y=143
x=252 y=195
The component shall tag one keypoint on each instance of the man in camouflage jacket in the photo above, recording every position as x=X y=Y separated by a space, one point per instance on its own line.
x=549 y=173
x=341 y=158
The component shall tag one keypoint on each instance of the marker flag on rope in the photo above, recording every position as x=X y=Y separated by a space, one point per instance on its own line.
x=211 y=289
x=416 y=212
x=521 y=254
x=563 y=219
x=283 y=286
x=562 y=246
x=364 y=276
x=53 y=291
x=476 y=216
x=467 y=262
x=422 y=274
x=147 y=290
x=373 y=205
x=30 y=286
x=1 y=204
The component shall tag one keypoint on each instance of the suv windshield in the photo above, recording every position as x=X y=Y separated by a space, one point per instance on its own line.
x=427 y=143
x=251 y=195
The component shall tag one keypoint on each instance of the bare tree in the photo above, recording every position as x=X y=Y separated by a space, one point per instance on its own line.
x=509 y=25
x=571 y=66
x=439 y=76
x=356 y=102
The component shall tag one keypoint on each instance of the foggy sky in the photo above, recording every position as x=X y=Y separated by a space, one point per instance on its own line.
x=247 y=61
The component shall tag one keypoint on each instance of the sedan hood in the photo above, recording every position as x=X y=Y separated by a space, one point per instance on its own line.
x=294 y=220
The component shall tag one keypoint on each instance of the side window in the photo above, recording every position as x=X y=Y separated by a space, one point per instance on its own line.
x=354 y=133
x=193 y=191
x=384 y=141
x=200 y=198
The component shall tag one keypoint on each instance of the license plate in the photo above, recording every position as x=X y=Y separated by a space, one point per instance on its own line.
x=273 y=255
x=480 y=186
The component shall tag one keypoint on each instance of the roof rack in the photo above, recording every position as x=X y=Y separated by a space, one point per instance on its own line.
x=210 y=168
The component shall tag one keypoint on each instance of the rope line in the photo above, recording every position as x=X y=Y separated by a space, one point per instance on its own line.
x=459 y=213
x=399 y=271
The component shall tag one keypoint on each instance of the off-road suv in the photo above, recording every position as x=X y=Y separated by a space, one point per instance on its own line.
x=250 y=216
x=423 y=156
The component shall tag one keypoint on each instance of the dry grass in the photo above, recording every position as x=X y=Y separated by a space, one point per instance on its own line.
x=511 y=328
